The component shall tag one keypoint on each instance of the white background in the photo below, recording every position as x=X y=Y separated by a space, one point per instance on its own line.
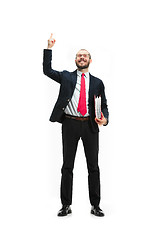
x=123 y=38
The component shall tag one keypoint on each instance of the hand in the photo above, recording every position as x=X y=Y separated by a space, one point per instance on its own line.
x=102 y=121
x=51 y=41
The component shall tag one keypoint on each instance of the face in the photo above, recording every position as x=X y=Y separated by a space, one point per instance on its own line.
x=82 y=59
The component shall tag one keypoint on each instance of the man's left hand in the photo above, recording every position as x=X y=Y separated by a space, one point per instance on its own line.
x=102 y=121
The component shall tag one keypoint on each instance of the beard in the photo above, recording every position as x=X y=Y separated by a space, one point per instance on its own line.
x=84 y=66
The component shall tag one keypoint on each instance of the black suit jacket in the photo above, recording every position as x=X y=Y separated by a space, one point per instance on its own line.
x=67 y=82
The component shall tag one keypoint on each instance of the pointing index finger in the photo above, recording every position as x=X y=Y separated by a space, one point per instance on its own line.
x=51 y=35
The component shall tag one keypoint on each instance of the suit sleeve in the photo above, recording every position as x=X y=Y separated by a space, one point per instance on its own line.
x=47 y=69
x=104 y=106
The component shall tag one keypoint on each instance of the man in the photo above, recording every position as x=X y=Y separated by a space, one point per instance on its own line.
x=75 y=109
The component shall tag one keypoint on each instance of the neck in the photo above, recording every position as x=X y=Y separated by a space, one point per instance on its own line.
x=83 y=70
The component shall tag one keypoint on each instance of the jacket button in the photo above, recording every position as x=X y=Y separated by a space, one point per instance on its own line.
x=63 y=109
x=68 y=100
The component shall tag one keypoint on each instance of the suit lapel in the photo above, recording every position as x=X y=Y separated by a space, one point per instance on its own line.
x=74 y=80
x=91 y=87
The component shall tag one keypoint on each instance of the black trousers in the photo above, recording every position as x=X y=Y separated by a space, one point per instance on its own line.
x=72 y=131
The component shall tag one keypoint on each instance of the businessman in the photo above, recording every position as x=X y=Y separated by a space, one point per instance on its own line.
x=75 y=109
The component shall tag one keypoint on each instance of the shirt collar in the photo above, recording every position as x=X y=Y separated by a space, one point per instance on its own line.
x=79 y=73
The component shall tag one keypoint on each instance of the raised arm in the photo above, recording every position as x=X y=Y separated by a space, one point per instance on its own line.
x=47 y=59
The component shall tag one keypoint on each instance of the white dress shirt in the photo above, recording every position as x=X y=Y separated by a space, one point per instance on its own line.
x=72 y=106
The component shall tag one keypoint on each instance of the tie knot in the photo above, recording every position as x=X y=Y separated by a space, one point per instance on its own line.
x=83 y=74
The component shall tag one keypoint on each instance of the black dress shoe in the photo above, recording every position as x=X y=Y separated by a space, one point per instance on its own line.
x=97 y=211
x=64 y=211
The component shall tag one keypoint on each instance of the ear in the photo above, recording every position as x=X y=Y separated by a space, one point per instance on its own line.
x=90 y=60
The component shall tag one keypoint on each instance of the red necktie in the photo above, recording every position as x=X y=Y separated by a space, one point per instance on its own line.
x=82 y=107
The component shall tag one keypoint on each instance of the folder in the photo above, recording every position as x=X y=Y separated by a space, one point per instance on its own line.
x=97 y=101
